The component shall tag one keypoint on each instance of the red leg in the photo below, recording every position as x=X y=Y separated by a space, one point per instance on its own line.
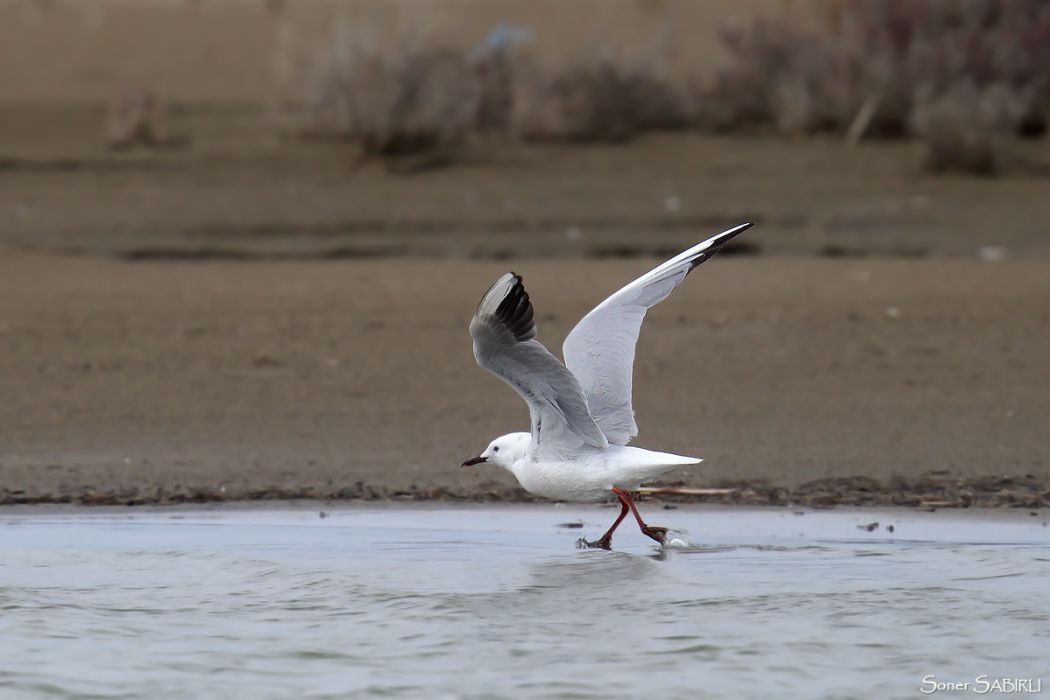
x=656 y=533
x=605 y=542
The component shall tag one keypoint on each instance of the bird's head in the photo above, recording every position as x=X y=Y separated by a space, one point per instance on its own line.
x=503 y=451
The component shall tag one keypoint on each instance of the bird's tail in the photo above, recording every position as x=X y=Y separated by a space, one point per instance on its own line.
x=657 y=463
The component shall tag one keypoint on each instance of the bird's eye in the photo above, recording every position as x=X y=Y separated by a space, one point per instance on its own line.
x=495 y=449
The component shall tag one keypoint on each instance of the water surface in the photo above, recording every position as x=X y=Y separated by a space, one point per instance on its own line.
x=497 y=602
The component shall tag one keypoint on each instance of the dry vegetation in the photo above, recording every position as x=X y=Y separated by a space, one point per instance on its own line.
x=960 y=75
x=139 y=119
x=422 y=100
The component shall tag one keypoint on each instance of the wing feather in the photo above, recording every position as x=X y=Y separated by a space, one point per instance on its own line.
x=504 y=333
x=600 y=349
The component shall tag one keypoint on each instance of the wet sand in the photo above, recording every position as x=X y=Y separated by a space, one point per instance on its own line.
x=880 y=380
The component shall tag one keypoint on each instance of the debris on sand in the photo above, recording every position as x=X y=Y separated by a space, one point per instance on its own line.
x=683 y=491
x=928 y=492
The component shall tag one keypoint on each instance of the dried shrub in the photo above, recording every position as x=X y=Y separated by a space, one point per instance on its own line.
x=432 y=105
x=412 y=100
x=345 y=94
x=599 y=102
x=953 y=140
x=394 y=104
x=139 y=119
x=885 y=66
x=425 y=101
x=496 y=67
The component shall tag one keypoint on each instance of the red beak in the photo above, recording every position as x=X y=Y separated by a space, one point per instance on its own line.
x=472 y=461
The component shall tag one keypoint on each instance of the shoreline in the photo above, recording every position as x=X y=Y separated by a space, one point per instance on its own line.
x=567 y=516
x=931 y=493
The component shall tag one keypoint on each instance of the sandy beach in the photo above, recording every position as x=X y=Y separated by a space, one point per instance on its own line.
x=244 y=315
x=171 y=381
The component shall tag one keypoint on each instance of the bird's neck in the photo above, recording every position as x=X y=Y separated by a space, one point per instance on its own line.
x=520 y=458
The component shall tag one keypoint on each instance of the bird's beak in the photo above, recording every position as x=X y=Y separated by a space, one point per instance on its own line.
x=472 y=461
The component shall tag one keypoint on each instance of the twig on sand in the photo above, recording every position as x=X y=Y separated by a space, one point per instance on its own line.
x=859 y=126
x=684 y=491
x=939 y=504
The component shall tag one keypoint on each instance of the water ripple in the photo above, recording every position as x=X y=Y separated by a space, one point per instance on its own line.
x=256 y=610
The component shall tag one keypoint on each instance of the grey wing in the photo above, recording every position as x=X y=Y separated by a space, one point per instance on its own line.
x=505 y=344
x=600 y=349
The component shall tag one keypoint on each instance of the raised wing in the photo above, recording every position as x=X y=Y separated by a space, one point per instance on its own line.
x=504 y=343
x=600 y=349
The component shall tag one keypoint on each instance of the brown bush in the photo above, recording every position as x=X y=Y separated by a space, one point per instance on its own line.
x=432 y=105
x=886 y=60
x=424 y=100
x=599 y=102
x=413 y=100
x=953 y=140
x=139 y=119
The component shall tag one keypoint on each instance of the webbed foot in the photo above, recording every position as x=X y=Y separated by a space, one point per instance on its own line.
x=657 y=533
x=601 y=543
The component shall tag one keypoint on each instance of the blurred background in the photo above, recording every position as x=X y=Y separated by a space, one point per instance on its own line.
x=241 y=240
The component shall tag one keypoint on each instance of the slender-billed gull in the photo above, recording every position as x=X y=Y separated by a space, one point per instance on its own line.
x=582 y=418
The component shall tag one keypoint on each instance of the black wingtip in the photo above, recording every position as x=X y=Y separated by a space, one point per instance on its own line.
x=515 y=311
x=733 y=233
x=718 y=242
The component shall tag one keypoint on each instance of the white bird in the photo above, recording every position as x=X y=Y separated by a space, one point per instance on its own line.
x=581 y=412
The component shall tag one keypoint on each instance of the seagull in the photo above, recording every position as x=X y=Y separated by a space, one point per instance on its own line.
x=581 y=413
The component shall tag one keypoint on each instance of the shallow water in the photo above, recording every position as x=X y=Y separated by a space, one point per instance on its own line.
x=494 y=602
